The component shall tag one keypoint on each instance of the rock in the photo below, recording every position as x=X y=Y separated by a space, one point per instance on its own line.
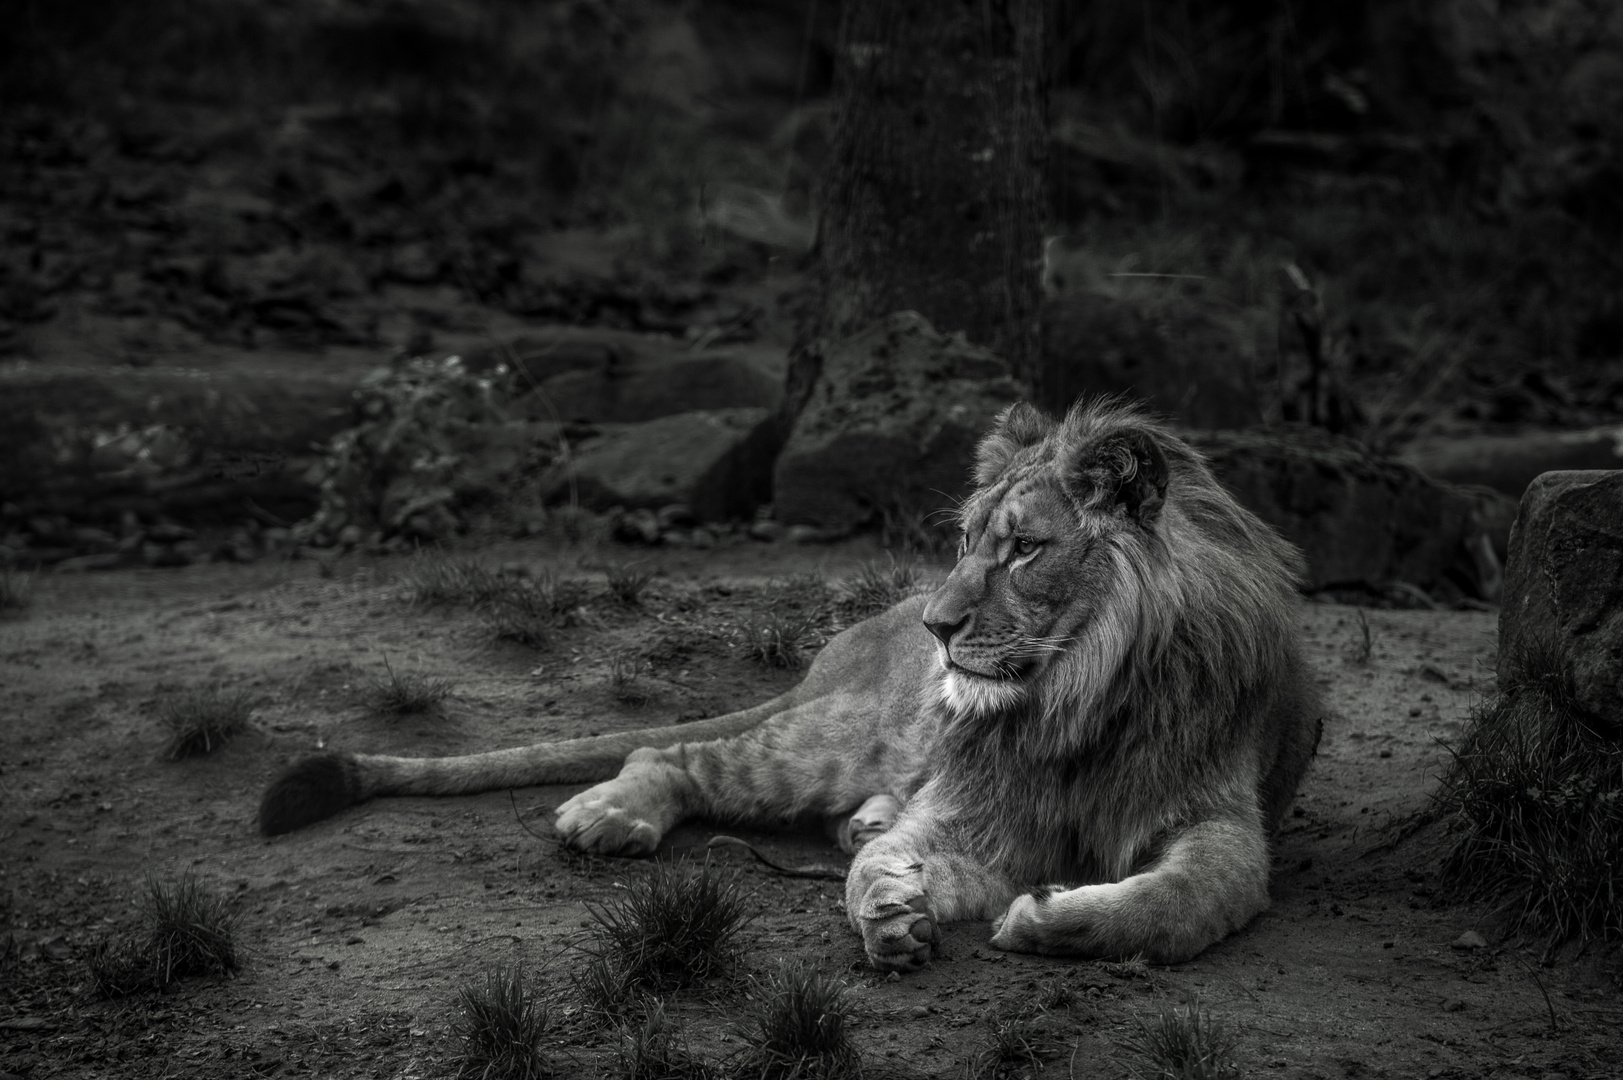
x=675 y=516
x=717 y=463
x=676 y=538
x=437 y=523
x=1188 y=361
x=1360 y=519
x=104 y=561
x=1469 y=940
x=702 y=538
x=350 y=535
x=169 y=533
x=1508 y=463
x=1564 y=587
x=654 y=383
x=812 y=534
x=766 y=530
x=892 y=420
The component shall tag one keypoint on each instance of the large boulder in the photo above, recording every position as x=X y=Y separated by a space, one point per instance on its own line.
x=892 y=420
x=716 y=462
x=1361 y=519
x=1563 y=600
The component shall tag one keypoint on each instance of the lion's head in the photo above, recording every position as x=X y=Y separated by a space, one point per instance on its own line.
x=1096 y=548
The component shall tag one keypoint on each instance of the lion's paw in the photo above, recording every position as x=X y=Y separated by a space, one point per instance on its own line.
x=593 y=821
x=1019 y=928
x=898 y=922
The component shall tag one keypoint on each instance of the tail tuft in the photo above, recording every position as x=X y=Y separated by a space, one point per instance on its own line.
x=310 y=790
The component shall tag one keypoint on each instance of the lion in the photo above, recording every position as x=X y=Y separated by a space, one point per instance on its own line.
x=1085 y=735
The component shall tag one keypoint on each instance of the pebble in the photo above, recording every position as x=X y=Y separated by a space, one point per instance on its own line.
x=1469 y=940
x=767 y=530
x=918 y=1012
x=1453 y=1005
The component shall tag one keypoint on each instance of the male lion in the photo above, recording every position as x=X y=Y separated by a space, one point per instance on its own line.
x=1086 y=733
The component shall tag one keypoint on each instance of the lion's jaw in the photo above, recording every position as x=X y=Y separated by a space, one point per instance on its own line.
x=968 y=695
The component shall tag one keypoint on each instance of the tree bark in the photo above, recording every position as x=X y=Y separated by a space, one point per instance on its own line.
x=933 y=197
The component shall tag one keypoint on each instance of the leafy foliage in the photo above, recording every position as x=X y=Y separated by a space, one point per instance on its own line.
x=409 y=441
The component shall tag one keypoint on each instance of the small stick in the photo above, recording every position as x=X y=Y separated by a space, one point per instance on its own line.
x=812 y=870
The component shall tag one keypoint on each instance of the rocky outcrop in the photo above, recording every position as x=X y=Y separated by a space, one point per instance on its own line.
x=1508 y=463
x=892 y=420
x=1359 y=518
x=1563 y=600
x=715 y=462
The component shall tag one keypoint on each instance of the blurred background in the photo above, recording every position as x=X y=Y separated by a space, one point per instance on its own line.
x=219 y=216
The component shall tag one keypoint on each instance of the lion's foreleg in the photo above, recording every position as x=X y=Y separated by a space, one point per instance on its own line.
x=907 y=881
x=1211 y=880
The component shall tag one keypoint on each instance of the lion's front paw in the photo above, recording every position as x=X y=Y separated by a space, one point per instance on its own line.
x=897 y=921
x=595 y=821
x=1019 y=929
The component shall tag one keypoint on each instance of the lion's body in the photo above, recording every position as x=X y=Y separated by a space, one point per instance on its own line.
x=1104 y=703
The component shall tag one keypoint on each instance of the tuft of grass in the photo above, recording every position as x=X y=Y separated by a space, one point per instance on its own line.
x=917 y=525
x=626 y=583
x=625 y=677
x=1015 y=1047
x=1182 y=1043
x=649 y=1050
x=668 y=930
x=1534 y=796
x=779 y=639
x=606 y=988
x=529 y=610
x=877 y=586
x=404 y=693
x=185 y=930
x=436 y=578
x=16 y=589
x=799 y=1028
x=202 y=719
x=501 y=1023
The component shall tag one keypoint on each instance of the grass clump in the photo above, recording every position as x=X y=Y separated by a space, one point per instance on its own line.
x=799 y=1028
x=1182 y=1043
x=1014 y=1047
x=501 y=1022
x=529 y=610
x=435 y=578
x=649 y=1050
x=625 y=678
x=404 y=693
x=202 y=719
x=1534 y=796
x=185 y=930
x=877 y=587
x=627 y=582
x=669 y=930
x=779 y=639
x=16 y=589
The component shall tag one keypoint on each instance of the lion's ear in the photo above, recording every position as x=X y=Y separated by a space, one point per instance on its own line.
x=1127 y=470
x=1017 y=427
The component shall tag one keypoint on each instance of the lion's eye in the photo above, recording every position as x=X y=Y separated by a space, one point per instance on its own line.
x=1025 y=545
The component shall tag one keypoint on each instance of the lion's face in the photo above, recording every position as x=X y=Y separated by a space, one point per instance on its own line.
x=1043 y=549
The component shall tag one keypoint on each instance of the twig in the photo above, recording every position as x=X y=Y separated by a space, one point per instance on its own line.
x=811 y=870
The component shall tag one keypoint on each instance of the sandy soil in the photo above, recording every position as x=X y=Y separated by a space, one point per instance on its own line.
x=359 y=931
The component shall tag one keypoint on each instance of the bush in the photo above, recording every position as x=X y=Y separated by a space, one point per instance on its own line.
x=1534 y=796
x=405 y=692
x=799 y=1028
x=877 y=587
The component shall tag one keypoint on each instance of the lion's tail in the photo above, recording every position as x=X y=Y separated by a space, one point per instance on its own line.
x=320 y=786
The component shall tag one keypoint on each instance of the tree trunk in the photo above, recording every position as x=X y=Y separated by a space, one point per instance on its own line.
x=933 y=197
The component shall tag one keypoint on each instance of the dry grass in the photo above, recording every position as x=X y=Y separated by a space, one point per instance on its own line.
x=626 y=583
x=501 y=1023
x=202 y=719
x=779 y=639
x=185 y=930
x=405 y=693
x=799 y=1028
x=529 y=611
x=1182 y=1043
x=877 y=586
x=435 y=578
x=1534 y=797
x=671 y=929
x=626 y=670
x=650 y=1050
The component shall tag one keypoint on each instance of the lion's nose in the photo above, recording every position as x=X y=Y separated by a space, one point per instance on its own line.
x=945 y=630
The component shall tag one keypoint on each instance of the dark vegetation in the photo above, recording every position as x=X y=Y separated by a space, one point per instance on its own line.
x=404 y=693
x=500 y=1023
x=184 y=929
x=798 y=1029
x=201 y=719
x=1182 y=1042
x=1535 y=801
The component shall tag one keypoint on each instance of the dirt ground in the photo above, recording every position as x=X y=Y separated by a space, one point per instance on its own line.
x=359 y=931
